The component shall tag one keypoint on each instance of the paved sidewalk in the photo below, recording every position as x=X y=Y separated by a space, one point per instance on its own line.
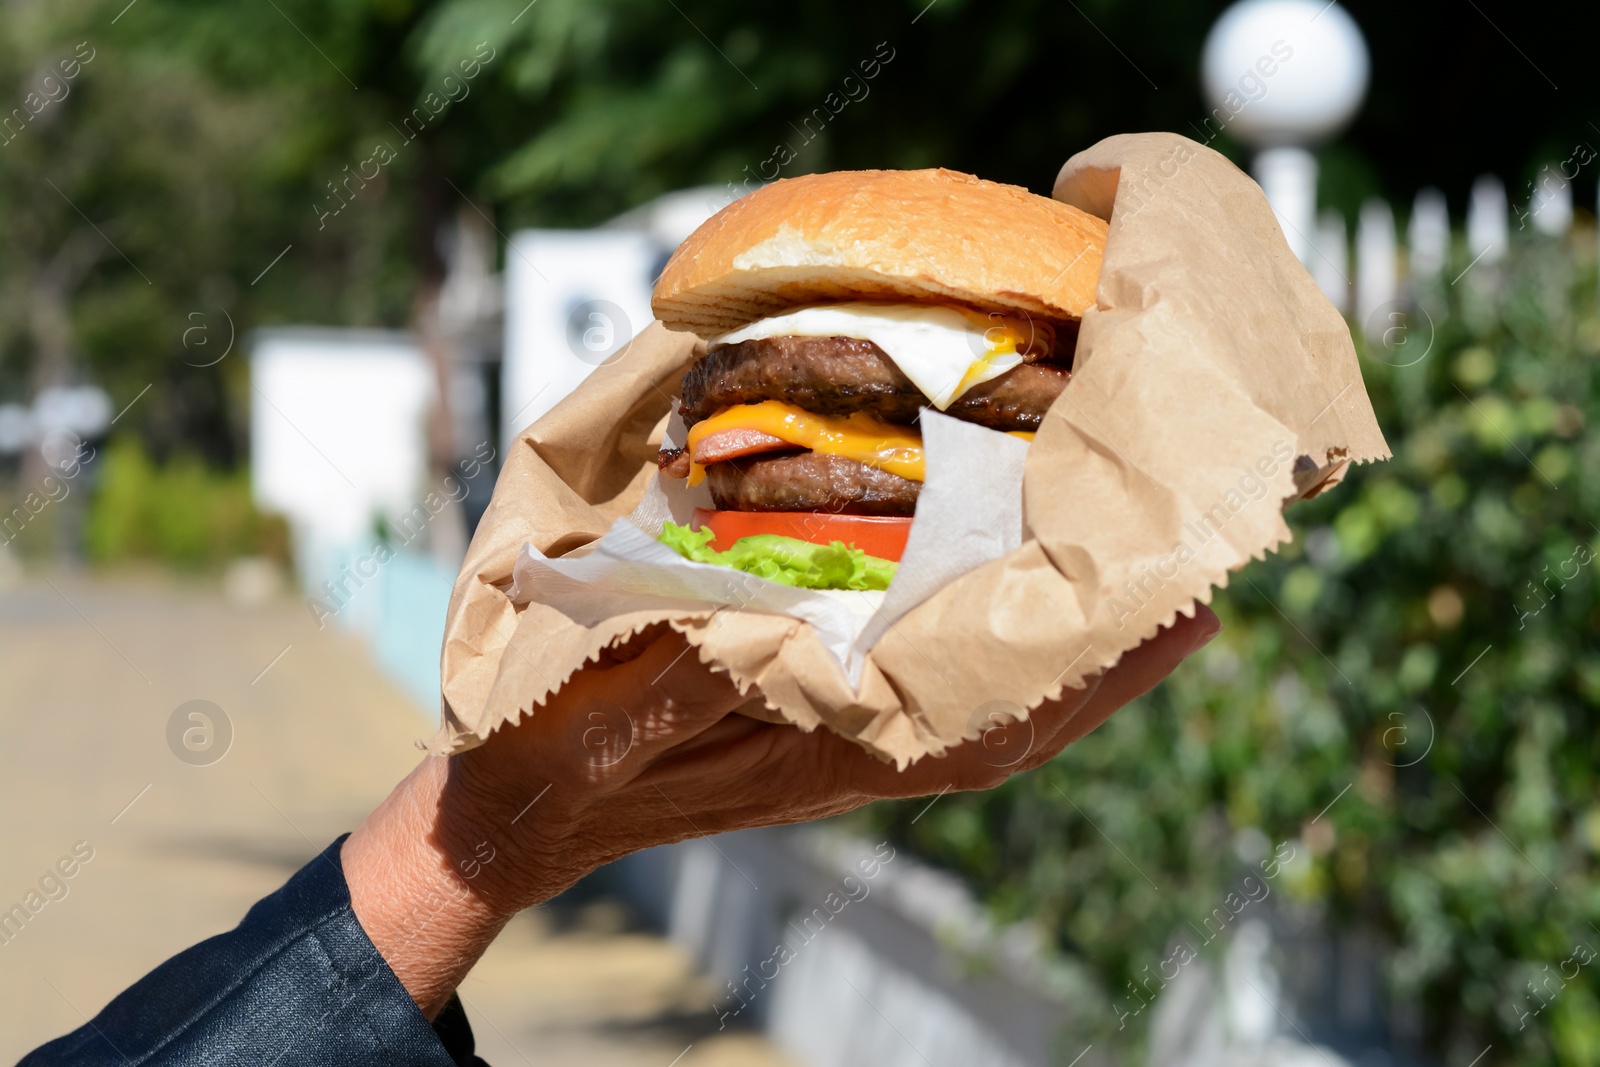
x=91 y=673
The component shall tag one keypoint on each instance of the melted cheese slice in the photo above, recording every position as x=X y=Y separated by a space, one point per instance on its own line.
x=862 y=438
x=896 y=449
x=943 y=350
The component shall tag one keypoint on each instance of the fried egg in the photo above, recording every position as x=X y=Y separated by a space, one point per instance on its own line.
x=943 y=350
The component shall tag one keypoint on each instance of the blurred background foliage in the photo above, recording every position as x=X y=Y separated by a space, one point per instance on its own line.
x=184 y=513
x=205 y=138
x=1426 y=641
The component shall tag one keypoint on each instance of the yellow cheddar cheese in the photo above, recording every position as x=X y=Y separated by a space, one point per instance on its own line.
x=860 y=437
x=896 y=449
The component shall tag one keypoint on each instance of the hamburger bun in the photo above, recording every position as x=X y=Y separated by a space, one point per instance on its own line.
x=907 y=236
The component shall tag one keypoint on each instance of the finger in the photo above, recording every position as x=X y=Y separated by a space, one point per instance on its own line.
x=1024 y=745
x=1048 y=722
x=791 y=775
x=842 y=768
x=715 y=751
x=1002 y=746
x=1141 y=670
x=1004 y=750
x=665 y=696
x=609 y=719
x=1054 y=725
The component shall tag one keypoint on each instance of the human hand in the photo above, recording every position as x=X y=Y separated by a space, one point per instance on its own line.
x=640 y=750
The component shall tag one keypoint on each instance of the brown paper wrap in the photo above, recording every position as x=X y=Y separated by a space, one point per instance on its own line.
x=1213 y=383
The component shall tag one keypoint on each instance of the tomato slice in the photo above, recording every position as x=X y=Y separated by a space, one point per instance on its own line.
x=883 y=536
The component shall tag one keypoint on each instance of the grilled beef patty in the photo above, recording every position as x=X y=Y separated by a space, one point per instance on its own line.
x=844 y=375
x=840 y=376
x=809 y=481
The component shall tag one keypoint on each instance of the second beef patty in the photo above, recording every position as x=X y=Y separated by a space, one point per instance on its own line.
x=809 y=481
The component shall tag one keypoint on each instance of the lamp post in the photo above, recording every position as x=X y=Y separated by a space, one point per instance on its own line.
x=1281 y=76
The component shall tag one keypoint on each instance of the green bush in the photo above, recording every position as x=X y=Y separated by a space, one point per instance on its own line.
x=1428 y=640
x=183 y=513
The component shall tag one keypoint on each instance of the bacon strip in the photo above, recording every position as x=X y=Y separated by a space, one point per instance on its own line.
x=673 y=462
x=734 y=442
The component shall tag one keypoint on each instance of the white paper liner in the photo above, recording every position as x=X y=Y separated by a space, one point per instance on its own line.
x=968 y=513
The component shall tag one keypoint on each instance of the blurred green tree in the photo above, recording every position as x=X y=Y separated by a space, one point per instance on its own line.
x=150 y=192
x=206 y=138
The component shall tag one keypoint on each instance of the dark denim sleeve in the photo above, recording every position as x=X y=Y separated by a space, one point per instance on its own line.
x=296 y=984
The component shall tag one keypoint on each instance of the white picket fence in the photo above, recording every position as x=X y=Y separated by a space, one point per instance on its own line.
x=1375 y=280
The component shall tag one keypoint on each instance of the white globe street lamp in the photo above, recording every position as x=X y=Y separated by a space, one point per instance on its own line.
x=1282 y=75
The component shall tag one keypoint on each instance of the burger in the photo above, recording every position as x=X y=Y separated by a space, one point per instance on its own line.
x=837 y=308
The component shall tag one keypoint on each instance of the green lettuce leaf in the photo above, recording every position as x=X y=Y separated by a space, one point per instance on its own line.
x=786 y=559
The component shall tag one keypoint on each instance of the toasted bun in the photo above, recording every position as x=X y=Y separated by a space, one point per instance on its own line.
x=905 y=235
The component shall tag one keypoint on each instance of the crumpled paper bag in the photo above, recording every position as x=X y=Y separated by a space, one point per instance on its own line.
x=1213 y=383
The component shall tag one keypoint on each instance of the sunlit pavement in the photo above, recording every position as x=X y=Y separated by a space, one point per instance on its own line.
x=188 y=827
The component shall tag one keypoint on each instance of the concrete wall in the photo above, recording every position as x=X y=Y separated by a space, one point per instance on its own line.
x=848 y=952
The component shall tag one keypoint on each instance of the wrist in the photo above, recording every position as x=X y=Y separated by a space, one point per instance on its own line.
x=515 y=841
x=439 y=868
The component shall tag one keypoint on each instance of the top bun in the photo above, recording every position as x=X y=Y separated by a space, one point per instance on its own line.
x=900 y=235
